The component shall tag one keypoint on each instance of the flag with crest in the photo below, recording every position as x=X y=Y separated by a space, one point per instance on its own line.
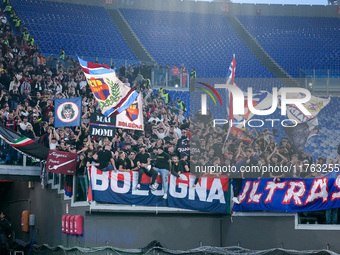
x=132 y=117
x=112 y=95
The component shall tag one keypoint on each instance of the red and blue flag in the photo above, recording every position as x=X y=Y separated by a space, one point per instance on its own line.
x=112 y=95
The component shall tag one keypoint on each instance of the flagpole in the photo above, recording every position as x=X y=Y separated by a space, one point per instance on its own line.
x=231 y=101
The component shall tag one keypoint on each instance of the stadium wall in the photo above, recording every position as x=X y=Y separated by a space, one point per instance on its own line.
x=217 y=7
x=264 y=232
x=172 y=230
x=117 y=229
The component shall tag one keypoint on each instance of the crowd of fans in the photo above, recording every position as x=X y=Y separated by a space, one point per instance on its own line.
x=30 y=83
x=170 y=143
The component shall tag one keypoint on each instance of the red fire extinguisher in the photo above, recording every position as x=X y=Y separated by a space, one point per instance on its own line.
x=78 y=225
x=67 y=224
x=63 y=219
x=72 y=225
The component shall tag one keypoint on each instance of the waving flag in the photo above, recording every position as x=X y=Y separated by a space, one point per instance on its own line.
x=24 y=145
x=239 y=134
x=306 y=126
x=314 y=106
x=298 y=135
x=112 y=95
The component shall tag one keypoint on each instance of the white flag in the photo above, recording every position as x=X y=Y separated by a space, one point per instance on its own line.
x=314 y=106
x=112 y=95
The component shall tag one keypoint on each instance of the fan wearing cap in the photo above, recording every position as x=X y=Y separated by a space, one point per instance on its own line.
x=184 y=162
x=162 y=166
x=144 y=163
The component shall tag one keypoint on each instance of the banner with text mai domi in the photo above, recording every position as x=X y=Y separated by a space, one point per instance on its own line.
x=209 y=195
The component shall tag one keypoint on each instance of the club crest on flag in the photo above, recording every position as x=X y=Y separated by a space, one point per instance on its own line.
x=132 y=112
x=112 y=95
x=132 y=117
x=99 y=88
x=312 y=107
x=67 y=112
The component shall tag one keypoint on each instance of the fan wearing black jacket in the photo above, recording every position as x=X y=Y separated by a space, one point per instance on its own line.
x=176 y=167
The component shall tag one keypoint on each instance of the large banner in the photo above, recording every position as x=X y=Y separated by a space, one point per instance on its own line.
x=209 y=195
x=67 y=112
x=132 y=118
x=290 y=195
x=102 y=126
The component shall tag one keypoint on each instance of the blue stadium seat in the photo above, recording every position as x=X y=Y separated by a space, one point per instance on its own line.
x=298 y=43
x=79 y=29
x=204 y=41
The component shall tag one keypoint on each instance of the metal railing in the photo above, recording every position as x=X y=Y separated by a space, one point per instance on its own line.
x=164 y=77
x=326 y=81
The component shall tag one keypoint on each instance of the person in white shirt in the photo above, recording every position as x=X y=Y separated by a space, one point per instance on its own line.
x=59 y=88
x=14 y=85
x=162 y=131
x=53 y=138
x=177 y=130
x=23 y=124
x=53 y=144
x=126 y=82
x=83 y=83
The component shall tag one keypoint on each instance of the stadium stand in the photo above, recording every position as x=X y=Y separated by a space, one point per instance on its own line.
x=203 y=41
x=185 y=38
x=79 y=29
x=323 y=143
x=292 y=41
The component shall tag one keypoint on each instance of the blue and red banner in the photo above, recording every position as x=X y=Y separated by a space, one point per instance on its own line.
x=209 y=195
x=290 y=194
x=67 y=112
